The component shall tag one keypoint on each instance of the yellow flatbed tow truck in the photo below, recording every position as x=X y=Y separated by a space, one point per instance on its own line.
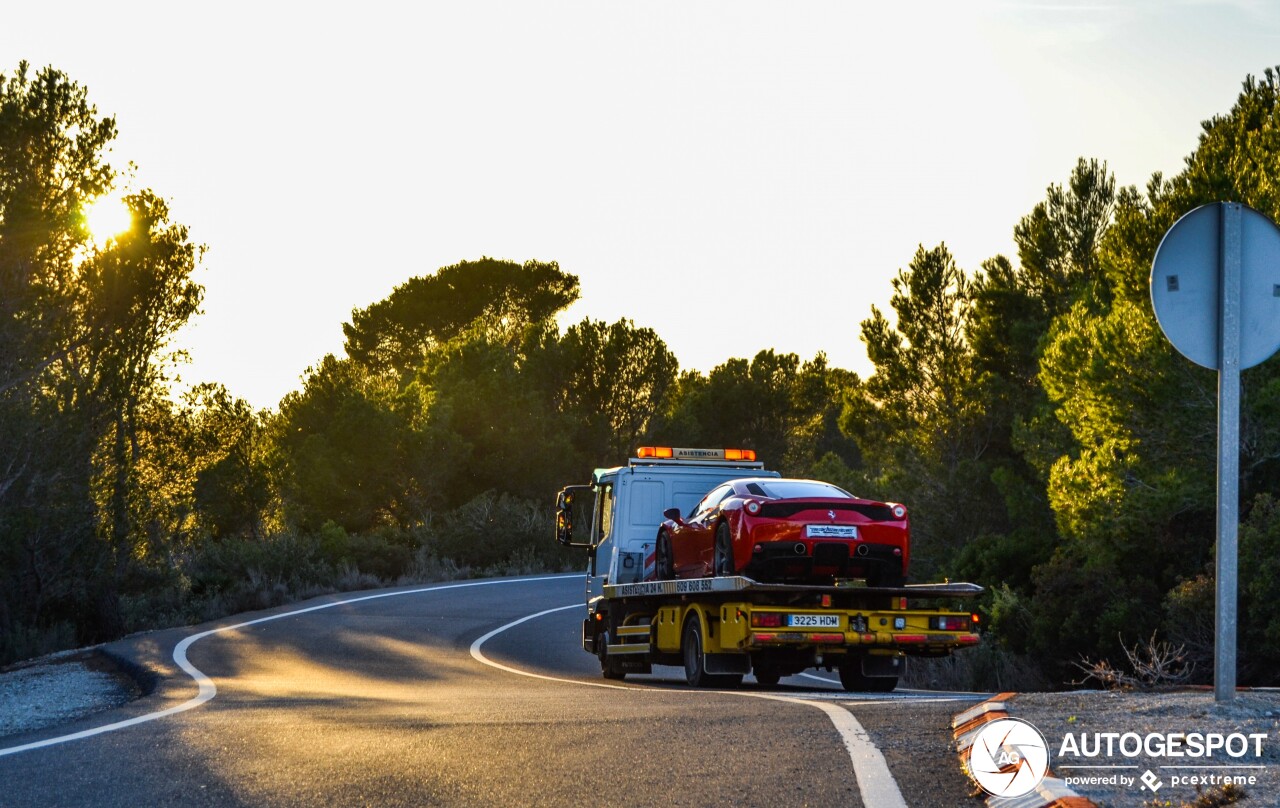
x=722 y=628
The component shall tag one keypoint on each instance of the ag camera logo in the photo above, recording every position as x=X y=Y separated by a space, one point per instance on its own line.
x=1008 y=758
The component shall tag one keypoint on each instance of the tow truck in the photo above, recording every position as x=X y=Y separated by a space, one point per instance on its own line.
x=722 y=628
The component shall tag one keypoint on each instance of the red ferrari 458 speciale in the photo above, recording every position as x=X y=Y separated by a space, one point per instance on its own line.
x=773 y=529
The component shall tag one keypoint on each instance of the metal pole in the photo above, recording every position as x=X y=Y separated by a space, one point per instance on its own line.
x=1224 y=674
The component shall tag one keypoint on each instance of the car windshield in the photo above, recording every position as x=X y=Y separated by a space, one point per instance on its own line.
x=801 y=489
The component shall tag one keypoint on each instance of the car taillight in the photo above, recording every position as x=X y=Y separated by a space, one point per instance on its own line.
x=899 y=511
x=766 y=620
x=753 y=507
x=950 y=623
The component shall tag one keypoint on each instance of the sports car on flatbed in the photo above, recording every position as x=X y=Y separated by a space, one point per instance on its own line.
x=778 y=529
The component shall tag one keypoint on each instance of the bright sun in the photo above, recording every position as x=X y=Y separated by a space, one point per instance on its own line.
x=107 y=217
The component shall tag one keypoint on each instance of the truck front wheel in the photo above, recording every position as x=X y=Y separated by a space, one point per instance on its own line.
x=608 y=666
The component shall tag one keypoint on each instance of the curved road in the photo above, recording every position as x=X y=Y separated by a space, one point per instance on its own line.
x=455 y=695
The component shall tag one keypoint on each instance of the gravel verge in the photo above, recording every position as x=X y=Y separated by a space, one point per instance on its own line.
x=62 y=688
x=1086 y=715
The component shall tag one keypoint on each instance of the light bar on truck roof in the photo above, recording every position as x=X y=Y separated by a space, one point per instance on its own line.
x=667 y=452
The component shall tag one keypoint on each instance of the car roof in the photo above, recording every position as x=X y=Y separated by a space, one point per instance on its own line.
x=745 y=481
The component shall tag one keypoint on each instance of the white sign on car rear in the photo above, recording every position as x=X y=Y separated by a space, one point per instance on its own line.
x=831 y=531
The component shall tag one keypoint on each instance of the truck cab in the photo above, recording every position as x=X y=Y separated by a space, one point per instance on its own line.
x=623 y=506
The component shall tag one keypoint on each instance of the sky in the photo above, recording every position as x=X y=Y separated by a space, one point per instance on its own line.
x=735 y=175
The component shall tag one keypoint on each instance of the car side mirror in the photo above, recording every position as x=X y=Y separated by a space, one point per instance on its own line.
x=673 y=514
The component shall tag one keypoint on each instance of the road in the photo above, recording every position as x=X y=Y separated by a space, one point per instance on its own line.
x=454 y=695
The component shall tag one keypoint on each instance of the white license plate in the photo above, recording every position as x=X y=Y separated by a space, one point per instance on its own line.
x=831 y=531
x=814 y=620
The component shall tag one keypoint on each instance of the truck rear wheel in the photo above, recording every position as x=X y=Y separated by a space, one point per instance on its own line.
x=855 y=682
x=695 y=667
x=767 y=676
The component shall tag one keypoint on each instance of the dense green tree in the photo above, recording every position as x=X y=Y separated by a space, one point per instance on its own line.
x=774 y=404
x=918 y=420
x=498 y=300
x=52 y=147
x=1014 y=307
x=343 y=448
x=227 y=442
x=493 y=427
x=1133 y=491
x=82 y=348
x=613 y=381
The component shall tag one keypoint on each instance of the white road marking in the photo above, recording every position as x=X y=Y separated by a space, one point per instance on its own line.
x=480 y=657
x=875 y=781
x=208 y=689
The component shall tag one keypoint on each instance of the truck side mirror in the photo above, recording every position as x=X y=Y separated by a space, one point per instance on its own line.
x=572 y=502
x=673 y=514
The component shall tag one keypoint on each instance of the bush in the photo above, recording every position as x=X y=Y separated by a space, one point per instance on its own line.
x=492 y=527
x=240 y=564
x=986 y=667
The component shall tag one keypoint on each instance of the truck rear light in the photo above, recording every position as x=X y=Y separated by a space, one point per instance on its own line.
x=739 y=454
x=950 y=623
x=902 y=603
x=899 y=623
x=766 y=620
x=827 y=639
x=826 y=601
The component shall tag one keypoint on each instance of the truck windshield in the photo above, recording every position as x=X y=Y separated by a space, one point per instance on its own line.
x=801 y=489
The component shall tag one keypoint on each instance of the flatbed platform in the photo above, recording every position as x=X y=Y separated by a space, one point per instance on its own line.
x=732 y=585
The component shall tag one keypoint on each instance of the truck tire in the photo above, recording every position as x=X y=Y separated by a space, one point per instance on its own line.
x=854 y=682
x=608 y=666
x=664 y=560
x=767 y=676
x=722 y=561
x=695 y=669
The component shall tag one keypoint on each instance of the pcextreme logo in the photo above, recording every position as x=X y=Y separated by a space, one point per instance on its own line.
x=1009 y=757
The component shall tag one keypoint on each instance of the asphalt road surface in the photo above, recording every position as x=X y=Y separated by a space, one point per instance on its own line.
x=458 y=695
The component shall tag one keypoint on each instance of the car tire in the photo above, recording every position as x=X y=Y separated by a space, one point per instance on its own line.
x=664 y=561
x=722 y=559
